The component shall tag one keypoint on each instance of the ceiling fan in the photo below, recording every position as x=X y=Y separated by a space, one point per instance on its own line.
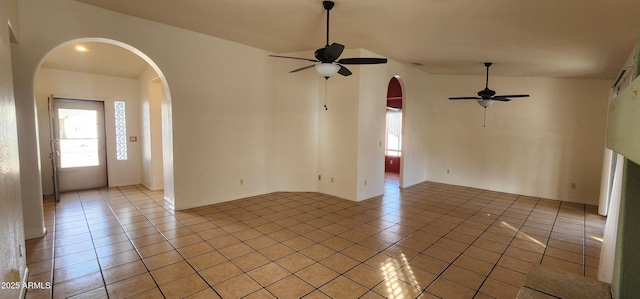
x=486 y=97
x=329 y=64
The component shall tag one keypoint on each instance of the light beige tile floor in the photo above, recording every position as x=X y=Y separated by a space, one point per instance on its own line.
x=430 y=241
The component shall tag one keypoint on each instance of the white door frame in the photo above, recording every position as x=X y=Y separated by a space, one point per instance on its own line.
x=77 y=178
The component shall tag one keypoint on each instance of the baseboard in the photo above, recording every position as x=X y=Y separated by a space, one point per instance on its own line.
x=152 y=188
x=31 y=234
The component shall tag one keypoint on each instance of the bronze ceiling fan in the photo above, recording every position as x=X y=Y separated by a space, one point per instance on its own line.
x=326 y=59
x=487 y=97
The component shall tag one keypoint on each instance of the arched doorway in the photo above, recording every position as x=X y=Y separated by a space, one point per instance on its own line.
x=393 y=134
x=137 y=110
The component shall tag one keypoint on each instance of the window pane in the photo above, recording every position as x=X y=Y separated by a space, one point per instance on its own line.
x=394 y=133
x=78 y=137
x=121 y=130
x=79 y=153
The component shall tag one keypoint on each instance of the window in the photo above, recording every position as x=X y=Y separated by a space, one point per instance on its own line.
x=78 y=133
x=394 y=132
x=121 y=130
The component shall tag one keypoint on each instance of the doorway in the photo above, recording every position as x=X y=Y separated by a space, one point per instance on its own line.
x=393 y=135
x=78 y=141
x=116 y=75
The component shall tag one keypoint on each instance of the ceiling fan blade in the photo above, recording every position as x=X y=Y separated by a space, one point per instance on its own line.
x=486 y=97
x=290 y=57
x=332 y=52
x=512 y=96
x=302 y=68
x=344 y=71
x=362 y=60
x=465 y=98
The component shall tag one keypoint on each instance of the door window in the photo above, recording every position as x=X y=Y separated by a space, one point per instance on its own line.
x=79 y=142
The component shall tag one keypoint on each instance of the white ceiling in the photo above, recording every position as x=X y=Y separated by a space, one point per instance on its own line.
x=100 y=58
x=547 y=38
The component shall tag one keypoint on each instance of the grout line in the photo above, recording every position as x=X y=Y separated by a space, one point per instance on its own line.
x=128 y=236
x=438 y=275
x=165 y=237
x=477 y=238
x=84 y=214
x=544 y=252
x=53 y=248
x=508 y=246
x=363 y=262
x=374 y=212
x=584 y=241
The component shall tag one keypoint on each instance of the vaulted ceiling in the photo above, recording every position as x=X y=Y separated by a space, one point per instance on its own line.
x=546 y=38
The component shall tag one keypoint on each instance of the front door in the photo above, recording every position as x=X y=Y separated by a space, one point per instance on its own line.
x=79 y=138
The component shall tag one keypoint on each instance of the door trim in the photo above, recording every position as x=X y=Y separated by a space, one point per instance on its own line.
x=55 y=149
x=60 y=174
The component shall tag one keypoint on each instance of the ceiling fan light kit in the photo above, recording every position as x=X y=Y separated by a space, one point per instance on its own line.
x=329 y=64
x=485 y=103
x=327 y=69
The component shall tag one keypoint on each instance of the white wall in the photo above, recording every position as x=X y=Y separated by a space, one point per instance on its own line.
x=11 y=226
x=536 y=146
x=151 y=97
x=219 y=90
x=295 y=119
x=373 y=85
x=374 y=82
x=345 y=142
x=338 y=133
x=31 y=188
x=85 y=86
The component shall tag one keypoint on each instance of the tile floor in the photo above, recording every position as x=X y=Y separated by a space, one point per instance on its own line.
x=429 y=241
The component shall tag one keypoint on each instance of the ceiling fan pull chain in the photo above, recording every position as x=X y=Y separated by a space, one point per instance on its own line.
x=484 y=118
x=326 y=93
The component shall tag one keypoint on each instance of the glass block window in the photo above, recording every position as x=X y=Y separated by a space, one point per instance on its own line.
x=121 y=130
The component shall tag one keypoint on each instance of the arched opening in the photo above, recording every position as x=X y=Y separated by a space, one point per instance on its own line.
x=136 y=114
x=393 y=134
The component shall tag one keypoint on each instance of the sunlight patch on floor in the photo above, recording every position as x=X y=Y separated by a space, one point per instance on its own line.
x=395 y=272
x=524 y=236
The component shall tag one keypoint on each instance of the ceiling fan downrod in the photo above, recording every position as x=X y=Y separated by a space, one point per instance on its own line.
x=486 y=82
x=328 y=5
